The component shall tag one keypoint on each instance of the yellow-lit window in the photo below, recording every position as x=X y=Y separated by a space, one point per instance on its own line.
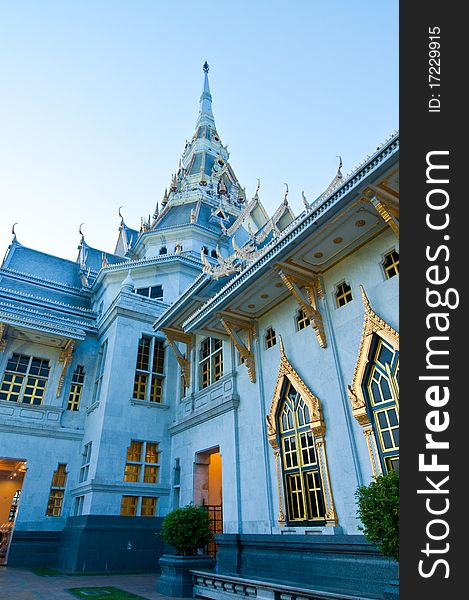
x=148 y=507
x=391 y=264
x=343 y=294
x=211 y=361
x=54 y=506
x=132 y=472
x=142 y=462
x=25 y=379
x=148 y=382
x=302 y=478
x=134 y=451
x=76 y=388
x=129 y=506
x=150 y=474
x=56 y=496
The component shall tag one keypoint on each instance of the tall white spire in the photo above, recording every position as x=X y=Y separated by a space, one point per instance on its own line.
x=205 y=113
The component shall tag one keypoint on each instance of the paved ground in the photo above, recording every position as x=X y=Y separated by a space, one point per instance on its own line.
x=22 y=584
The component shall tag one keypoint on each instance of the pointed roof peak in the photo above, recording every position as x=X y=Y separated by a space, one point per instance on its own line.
x=205 y=113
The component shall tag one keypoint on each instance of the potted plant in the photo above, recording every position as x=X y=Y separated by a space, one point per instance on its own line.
x=378 y=509
x=188 y=531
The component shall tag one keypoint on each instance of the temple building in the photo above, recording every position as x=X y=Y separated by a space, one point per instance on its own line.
x=218 y=356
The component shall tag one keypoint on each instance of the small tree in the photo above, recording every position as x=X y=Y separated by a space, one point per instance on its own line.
x=187 y=529
x=378 y=509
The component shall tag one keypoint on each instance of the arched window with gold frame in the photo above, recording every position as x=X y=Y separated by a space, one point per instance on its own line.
x=296 y=431
x=381 y=389
x=374 y=392
x=301 y=475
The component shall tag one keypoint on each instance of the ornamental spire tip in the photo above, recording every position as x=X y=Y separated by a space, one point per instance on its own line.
x=206 y=67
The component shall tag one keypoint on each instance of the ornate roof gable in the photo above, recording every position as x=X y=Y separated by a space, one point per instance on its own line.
x=287 y=371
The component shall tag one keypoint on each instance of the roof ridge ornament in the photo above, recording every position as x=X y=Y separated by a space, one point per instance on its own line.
x=81 y=233
x=285 y=198
x=256 y=195
x=13 y=233
x=120 y=215
x=339 y=172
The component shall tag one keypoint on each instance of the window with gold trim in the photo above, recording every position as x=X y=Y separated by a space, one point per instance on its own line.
x=301 y=473
x=149 y=371
x=25 y=379
x=142 y=462
x=381 y=389
x=76 y=388
x=391 y=264
x=211 y=361
x=57 y=491
x=302 y=320
x=343 y=294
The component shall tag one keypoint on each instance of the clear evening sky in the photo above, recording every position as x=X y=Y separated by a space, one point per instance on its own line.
x=97 y=98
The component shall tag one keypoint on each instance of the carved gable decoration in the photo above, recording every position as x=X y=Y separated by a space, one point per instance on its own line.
x=372 y=324
x=286 y=371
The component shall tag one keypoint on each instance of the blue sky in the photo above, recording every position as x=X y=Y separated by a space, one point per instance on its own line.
x=97 y=98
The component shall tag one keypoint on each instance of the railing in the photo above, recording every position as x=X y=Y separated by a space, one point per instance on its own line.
x=216 y=525
x=221 y=587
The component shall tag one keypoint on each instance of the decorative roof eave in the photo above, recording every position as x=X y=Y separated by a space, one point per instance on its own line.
x=271 y=251
x=57 y=285
x=156 y=232
x=20 y=310
x=147 y=262
x=247 y=210
x=47 y=302
x=44 y=327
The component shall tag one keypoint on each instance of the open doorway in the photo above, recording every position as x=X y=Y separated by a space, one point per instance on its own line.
x=208 y=488
x=12 y=472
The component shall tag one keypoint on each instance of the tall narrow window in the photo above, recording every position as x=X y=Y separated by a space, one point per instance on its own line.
x=57 y=490
x=85 y=462
x=211 y=361
x=343 y=294
x=301 y=474
x=76 y=388
x=302 y=320
x=100 y=371
x=381 y=390
x=270 y=338
x=391 y=264
x=148 y=383
x=142 y=464
x=25 y=379
x=79 y=502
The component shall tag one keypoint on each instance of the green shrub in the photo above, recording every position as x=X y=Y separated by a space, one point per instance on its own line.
x=187 y=529
x=378 y=509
